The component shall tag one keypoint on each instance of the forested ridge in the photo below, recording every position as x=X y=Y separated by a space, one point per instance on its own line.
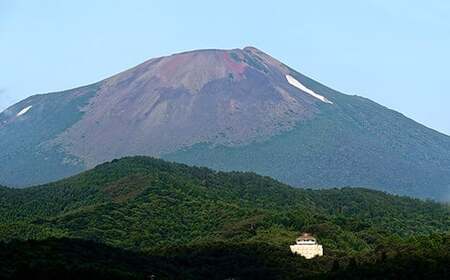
x=164 y=215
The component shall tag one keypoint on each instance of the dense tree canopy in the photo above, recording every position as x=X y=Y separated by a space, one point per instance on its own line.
x=210 y=221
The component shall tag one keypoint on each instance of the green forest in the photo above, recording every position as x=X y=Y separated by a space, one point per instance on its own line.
x=145 y=218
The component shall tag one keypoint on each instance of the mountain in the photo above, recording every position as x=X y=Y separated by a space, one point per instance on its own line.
x=235 y=109
x=138 y=216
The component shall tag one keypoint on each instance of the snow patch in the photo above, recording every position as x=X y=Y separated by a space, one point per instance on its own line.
x=291 y=80
x=23 y=111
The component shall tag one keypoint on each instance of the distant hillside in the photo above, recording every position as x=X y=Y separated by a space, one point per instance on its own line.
x=238 y=109
x=145 y=203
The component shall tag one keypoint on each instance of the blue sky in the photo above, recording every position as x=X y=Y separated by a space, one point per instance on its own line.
x=394 y=52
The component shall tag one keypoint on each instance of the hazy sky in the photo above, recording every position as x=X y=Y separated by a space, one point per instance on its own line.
x=394 y=52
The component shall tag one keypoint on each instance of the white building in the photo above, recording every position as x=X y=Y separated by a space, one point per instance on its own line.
x=307 y=246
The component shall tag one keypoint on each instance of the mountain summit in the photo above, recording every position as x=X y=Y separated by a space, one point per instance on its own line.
x=235 y=109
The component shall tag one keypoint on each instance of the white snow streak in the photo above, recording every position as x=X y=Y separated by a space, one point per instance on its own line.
x=23 y=111
x=291 y=80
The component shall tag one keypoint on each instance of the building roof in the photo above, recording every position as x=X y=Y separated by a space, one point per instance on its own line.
x=306 y=236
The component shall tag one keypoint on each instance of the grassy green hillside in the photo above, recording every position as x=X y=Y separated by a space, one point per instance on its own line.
x=26 y=154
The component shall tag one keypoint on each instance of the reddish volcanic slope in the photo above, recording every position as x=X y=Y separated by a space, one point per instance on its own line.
x=221 y=97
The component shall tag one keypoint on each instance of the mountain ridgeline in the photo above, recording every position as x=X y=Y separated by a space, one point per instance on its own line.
x=235 y=109
x=185 y=222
